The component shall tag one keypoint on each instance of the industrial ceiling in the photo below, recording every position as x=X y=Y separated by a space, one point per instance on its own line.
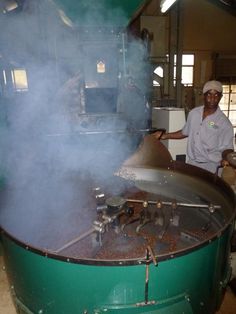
x=10 y=6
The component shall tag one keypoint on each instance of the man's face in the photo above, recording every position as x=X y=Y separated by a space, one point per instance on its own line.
x=212 y=98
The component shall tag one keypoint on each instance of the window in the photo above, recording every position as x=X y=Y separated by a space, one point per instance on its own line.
x=19 y=79
x=13 y=80
x=228 y=103
x=187 y=70
x=159 y=72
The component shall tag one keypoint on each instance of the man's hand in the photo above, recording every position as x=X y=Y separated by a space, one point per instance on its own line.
x=224 y=163
x=160 y=135
x=230 y=157
x=178 y=135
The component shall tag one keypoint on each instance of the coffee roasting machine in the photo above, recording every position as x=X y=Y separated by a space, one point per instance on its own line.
x=96 y=232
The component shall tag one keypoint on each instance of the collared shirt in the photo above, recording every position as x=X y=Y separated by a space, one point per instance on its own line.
x=207 y=138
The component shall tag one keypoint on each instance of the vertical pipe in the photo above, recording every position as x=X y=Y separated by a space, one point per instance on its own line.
x=172 y=51
x=146 y=277
x=179 y=49
x=124 y=54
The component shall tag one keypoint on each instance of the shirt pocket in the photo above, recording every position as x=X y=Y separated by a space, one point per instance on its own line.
x=210 y=138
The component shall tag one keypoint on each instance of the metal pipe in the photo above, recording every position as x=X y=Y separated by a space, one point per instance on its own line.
x=146 y=277
x=103 y=132
x=123 y=54
x=210 y=206
x=82 y=236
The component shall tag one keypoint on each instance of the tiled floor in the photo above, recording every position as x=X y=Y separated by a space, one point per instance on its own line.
x=7 y=307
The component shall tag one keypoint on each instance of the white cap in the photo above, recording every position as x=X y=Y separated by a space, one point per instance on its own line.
x=216 y=85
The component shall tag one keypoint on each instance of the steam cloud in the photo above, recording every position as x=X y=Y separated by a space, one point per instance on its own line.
x=48 y=164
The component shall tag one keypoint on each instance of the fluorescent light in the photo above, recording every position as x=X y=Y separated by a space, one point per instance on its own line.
x=166 y=4
x=65 y=18
x=10 y=6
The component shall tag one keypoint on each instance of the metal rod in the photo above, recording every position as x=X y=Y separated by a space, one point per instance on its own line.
x=146 y=277
x=163 y=232
x=87 y=133
x=171 y=203
x=124 y=54
x=82 y=236
x=152 y=255
x=189 y=235
x=93 y=132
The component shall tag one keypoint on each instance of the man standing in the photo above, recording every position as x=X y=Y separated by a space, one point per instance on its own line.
x=210 y=133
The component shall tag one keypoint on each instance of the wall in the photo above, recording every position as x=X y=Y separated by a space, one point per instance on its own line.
x=207 y=30
x=207 y=27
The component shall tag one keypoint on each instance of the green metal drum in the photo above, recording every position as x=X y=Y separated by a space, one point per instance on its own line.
x=187 y=279
x=192 y=283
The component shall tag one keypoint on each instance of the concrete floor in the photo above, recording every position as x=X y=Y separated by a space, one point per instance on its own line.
x=229 y=303
x=6 y=305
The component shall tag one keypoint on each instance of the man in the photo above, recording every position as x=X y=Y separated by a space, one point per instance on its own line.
x=210 y=133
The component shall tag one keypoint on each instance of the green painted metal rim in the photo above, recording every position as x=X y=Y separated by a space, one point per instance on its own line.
x=94 y=262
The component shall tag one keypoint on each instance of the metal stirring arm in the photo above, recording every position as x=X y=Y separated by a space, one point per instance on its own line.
x=130 y=222
x=164 y=230
x=98 y=226
x=211 y=207
x=141 y=225
x=145 y=217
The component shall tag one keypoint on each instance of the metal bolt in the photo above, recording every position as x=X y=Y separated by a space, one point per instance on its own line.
x=145 y=204
x=97 y=189
x=211 y=208
x=159 y=204
x=174 y=205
